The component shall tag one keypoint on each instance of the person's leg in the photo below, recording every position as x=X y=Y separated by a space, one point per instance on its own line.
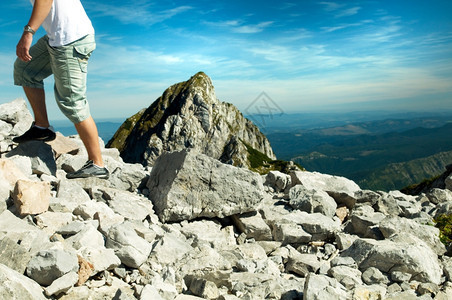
x=30 y=75
x=87 y=130
x=69 y=65
x=37 y=100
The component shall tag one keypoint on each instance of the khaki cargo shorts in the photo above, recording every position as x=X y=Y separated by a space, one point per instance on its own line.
x=69 y=66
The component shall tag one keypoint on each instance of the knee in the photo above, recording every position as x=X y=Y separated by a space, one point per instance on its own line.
x=18 y=68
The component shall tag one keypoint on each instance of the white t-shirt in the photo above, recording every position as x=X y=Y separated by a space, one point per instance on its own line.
x=67 y=22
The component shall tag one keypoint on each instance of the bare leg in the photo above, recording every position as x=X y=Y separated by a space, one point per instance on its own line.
x=37 y=100
x=87 y=130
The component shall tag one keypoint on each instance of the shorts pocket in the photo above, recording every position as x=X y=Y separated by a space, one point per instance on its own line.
x=83 y=52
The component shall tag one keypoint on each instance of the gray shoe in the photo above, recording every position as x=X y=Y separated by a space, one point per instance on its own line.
x=89 y=170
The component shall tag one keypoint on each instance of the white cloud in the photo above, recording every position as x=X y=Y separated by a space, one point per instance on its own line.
x=331 y=6
x=142 y=13
x=337 y=9
x=348 y=12
x=238 y=26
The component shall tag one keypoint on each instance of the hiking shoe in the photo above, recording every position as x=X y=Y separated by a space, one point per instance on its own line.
x=89 y=170
x=36 y=134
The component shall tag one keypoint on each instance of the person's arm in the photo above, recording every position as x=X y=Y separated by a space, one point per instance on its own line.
x=41 y=9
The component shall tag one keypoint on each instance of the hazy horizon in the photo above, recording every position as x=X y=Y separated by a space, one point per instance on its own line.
x=306 y=56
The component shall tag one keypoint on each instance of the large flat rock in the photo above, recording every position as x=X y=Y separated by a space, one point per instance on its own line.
x=186 y=185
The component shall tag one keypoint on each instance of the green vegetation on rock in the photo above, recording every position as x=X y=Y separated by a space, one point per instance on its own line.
x=262 y=164
x=411 y=189
x=444 y=223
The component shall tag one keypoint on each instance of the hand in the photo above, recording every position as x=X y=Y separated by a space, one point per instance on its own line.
x=23 y=47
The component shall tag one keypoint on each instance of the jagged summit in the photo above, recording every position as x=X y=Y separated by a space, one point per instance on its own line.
x=188 y=115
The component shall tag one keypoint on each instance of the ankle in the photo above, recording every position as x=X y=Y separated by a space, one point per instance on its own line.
x=99 y=164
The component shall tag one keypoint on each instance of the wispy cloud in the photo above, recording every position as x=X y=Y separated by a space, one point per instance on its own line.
x=348 y=12
x=331 y=6
x=339 y=10
x=344 y=26
x=239 y=26
x=142 y=13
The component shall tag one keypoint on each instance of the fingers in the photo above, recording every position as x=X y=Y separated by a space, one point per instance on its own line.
x=23 y=47
x=23 y=55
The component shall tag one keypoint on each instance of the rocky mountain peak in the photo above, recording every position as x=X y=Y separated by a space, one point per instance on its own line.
x=189 y=115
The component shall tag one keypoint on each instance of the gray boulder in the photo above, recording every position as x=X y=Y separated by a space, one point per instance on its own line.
x=448 y=182
x=41 y=154
x=324 y=182
x=312 y=201
x=253 y=225
x=437 y=196
x=131 y=249
x=320 y=287
x=19 y=241
x=290 y=233
x=364 y=222
x=186 y=185
x=278 y=180
x=48 y=265
x=129 y=205
x=428 y=234
x=62 y=284
x=347 y=276
x=16 y=286
x=318 y=225
x=16 y=114
x=402 y=253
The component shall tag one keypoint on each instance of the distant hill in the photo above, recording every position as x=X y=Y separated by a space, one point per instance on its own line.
x=365 y=152
x=396 y=175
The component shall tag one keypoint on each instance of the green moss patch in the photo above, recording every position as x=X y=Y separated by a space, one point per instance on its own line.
x=262 y=164
x=444 y=223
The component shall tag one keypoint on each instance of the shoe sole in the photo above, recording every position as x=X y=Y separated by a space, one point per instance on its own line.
x=47 y=139
x=91 y=176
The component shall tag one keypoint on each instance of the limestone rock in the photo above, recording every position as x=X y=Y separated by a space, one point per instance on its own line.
x=62 y=284
x=428 y=234
x=131 y=249
x=19 y=241
x=31 y=197
x=169 y=249
x=290 y=233
x=316 y=224
x=62 y=145
x=204 y=288
x=127 y=204
x=102 y=259
x=324 y=182
x=16 y=286
x=17 y=114
x=303 y=264
x=10 y=173
x=253 y=225
x=319 y=287
x=399 y=253
x=41 y=154
x=448 y=183
x=186 y=185
x=49 y=265
x=347 y=276
x=312 y=201
x=278 y=180
x=208 y=232
x=374 y=276
x=188 y=114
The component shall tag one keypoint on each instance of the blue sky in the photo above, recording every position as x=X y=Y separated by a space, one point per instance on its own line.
x=305 y=55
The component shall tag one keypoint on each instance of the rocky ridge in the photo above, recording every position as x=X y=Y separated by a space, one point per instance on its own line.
x=189 y=115
x=192 y=228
